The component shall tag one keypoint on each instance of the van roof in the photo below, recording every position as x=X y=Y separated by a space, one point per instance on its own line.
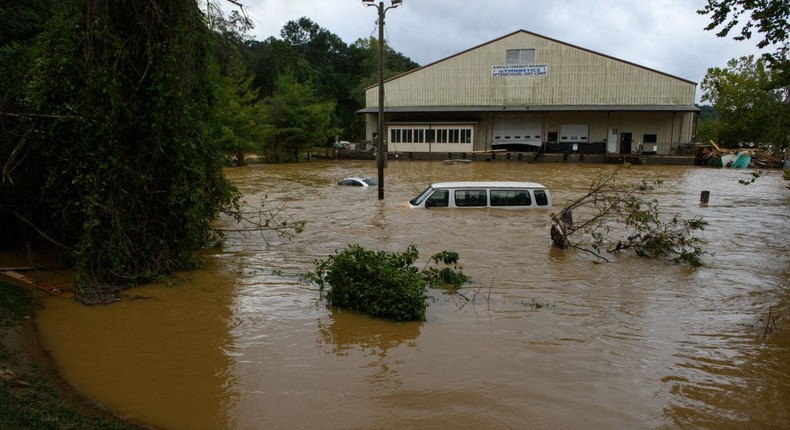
x=486 y=184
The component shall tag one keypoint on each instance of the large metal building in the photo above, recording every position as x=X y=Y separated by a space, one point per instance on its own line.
x=526 y=92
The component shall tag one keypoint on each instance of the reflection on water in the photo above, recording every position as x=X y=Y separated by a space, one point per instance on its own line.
x=347 y=334
x=551 y=338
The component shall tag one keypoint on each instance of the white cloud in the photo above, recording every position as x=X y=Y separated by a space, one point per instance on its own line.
x=667 y=35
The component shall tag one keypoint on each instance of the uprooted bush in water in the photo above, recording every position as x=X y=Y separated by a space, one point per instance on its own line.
x=383 y=284
x=624 y=217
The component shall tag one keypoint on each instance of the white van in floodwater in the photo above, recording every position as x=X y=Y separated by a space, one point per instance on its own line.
x=504 y=195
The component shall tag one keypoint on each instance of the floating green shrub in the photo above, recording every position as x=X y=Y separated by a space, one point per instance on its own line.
x=450 y=276
x=379 y=283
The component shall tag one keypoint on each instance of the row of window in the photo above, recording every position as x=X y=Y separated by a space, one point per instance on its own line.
x=464 y=135
x=431 y=135
x=526 y=136
x=647 y=138
x=499 y=198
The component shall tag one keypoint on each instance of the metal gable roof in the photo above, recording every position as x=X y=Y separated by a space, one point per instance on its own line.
x=536 y=108
x=542 y=37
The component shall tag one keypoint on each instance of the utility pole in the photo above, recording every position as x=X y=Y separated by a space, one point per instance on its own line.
x=381 y=146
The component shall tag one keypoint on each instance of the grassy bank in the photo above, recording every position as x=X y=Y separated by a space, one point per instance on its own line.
x=31 y=395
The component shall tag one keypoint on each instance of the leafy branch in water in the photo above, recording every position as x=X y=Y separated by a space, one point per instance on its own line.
x=383 y=284
x=622 y=216
x=755 y=176
x=450 y=276
x=252 y=219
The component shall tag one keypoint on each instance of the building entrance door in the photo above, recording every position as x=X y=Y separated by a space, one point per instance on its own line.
x=625 y=143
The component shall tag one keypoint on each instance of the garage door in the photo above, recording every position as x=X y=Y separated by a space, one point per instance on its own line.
x=517 y=132
x=574 y=133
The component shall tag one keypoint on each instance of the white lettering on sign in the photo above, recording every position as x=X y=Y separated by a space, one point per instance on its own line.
x=526 y=70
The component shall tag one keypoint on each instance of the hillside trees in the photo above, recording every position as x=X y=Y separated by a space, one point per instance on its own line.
x=366 y=52
x=106 y=149
x=750 y=103
x=314 y=56
x=297 y=118
x=240 y=121
x=752 y=96
x=23 y=21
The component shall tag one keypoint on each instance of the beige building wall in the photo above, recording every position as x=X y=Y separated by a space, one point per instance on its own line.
x=668 y=127
x=576 y=76
x=573 y=86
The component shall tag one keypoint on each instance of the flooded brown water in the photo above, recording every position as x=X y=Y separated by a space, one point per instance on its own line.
x=552 y=339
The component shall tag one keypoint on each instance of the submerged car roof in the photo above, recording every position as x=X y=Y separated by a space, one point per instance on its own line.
x=486 y=184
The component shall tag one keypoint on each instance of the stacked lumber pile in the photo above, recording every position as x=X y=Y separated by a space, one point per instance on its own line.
x=759 y=157
x=766 y=159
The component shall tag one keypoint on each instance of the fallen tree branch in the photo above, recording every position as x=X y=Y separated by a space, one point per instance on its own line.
x=41 y=233
x=623 y=217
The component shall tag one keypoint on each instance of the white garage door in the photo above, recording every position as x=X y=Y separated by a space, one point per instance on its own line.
x=574 y=133
x=514 y=130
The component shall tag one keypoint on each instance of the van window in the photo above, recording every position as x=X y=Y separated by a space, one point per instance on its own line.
x=510 y=198
x=439 y=199
x=423 y=195
x=465 y=198
x=541 y=198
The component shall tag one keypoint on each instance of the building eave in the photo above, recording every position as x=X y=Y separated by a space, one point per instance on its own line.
x=534 y=108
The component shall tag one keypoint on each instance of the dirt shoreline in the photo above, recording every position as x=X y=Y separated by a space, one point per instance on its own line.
x=29 y=371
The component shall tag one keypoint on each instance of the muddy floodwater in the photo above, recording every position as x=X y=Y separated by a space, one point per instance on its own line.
x=549 y=339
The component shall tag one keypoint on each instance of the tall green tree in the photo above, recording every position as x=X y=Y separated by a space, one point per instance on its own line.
x=115 y=104
x=268 y=59
x=313 y=54
x=297 y=119
x=750 y=106
x=240 y=122
x=708 y=125
x=20 y=23
x=741 y=112
x=333 y=64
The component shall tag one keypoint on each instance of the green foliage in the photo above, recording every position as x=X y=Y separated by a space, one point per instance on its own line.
x=377 y=283
x=755 y=97
x=752 y=104
x=297 y=119
x=450 y=276
x=384 y=284
x=116 y=103
x=768 y=18
x=754 y=176
x=315 y=57
x=622 y=217
x=24 y=20
x=366 y=53
x=708 y=124
x=239 y=124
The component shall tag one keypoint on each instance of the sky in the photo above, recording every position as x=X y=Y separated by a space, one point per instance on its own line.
x=665 y=35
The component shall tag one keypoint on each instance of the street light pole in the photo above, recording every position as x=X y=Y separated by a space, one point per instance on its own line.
x=381 y=150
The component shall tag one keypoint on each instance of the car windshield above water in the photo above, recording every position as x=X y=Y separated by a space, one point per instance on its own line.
x=506 y=195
